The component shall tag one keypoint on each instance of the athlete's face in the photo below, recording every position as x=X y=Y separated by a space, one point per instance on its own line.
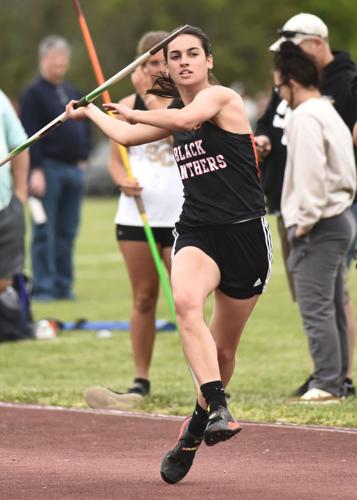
x=187 y=62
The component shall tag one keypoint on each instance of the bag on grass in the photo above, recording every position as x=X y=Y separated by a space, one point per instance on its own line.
x=16 y=321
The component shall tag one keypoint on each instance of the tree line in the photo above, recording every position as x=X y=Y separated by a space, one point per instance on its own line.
x=240 y=31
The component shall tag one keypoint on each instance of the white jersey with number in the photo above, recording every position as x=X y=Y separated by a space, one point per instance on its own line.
x=155 y=168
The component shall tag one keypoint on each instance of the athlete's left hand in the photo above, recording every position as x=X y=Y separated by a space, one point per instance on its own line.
x=120 y=109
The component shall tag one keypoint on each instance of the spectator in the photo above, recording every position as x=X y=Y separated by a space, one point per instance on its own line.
x=57 y=172
x=157 y=182
x=318 y=190
x=13 y=195
x=339 y=81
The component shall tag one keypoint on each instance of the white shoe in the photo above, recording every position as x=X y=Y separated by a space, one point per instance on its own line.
x=102 y=398
x=316 y=395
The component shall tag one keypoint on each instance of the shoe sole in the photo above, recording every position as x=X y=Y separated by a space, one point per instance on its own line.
x=214 y=436
x=102 y=398
x=315 y=401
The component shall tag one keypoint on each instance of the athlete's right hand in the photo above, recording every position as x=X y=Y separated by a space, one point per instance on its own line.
x=76 y=113
x=263 y=145
x=130 y=186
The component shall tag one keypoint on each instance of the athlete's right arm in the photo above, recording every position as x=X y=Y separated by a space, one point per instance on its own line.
x=121 y=132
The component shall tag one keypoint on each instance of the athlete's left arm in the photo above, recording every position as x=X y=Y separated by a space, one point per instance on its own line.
x=206 y=105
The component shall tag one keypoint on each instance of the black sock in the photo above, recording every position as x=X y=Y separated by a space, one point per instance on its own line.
x=213 y=392
x=198 y=421
x=140 y=386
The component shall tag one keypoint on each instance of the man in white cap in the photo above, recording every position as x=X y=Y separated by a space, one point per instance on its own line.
x=339 y=82
x=302 y=27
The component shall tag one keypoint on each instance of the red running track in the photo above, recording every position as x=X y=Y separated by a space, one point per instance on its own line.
x=57 y=454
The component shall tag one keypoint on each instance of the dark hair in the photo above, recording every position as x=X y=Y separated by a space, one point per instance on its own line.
x=293 y=63
x=164 y=86
x=198 y=33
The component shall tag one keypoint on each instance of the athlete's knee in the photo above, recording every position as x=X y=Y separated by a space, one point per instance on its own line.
x=226 y=356
x=187 y=308
x=145 y=301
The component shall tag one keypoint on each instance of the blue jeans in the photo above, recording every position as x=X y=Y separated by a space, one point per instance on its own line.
x=53 y=241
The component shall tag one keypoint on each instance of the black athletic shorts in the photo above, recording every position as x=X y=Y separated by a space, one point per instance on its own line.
x=163 y=235
x=242 y=252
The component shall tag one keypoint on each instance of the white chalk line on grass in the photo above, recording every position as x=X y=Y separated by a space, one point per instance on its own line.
x=160 y=416
x=93 y=259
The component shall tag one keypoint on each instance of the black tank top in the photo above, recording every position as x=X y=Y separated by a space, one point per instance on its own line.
x=139 y=103
x=220 y=175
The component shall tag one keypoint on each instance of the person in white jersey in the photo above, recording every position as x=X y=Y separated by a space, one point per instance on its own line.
x=156 y=179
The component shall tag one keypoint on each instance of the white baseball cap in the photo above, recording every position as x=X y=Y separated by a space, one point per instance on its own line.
x=300 y=27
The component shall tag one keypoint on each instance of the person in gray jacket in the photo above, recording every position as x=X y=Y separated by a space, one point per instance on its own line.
x=318 y=190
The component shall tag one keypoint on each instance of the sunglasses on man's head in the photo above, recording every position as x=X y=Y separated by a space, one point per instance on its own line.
x=292 y=34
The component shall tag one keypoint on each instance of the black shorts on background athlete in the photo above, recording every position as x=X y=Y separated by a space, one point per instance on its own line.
x=163 y=235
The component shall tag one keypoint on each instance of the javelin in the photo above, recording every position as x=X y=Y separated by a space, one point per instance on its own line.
x=124 y=155
x=85 y=100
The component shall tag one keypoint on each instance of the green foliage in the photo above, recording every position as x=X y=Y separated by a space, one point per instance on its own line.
x=272 y=357
x=241 y=33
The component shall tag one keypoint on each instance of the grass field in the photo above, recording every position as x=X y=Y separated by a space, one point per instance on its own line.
x=272 y=358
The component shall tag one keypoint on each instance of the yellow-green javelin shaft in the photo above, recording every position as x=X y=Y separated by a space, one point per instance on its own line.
x=157 y=259
x=92 y=95
x=124 y=155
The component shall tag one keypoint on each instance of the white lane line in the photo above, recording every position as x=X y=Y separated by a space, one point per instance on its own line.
x=160 y=416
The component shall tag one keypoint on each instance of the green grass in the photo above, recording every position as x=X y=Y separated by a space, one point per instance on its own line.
x=272 y=358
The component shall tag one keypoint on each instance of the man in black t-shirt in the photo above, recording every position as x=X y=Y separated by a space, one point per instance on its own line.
x=339 y=82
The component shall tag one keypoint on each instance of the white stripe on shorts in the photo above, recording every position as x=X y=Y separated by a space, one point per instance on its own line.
x=175 y=234
x=269 y=246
